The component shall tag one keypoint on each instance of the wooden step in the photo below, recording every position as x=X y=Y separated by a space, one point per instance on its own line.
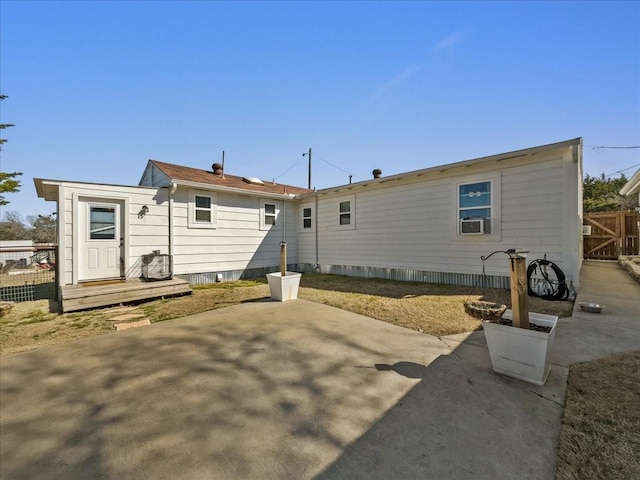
x=79 y=297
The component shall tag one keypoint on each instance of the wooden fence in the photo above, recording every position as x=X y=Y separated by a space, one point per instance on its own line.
x=612 y=234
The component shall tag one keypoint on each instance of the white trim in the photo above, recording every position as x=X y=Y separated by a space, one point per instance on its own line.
x=237 y=191
x=192 y=209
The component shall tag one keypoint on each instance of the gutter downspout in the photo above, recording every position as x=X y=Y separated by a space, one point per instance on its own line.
x=317 y=266
x=172 y=191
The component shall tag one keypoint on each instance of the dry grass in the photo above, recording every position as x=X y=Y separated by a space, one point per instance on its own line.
x=600 y=435
x=31 y=325
x=27 y=277
x=433 y=309
x=429 y=308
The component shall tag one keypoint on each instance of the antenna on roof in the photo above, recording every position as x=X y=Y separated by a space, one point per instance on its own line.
x=222 y=163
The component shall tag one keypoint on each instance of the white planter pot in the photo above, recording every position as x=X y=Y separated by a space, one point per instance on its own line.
x=284 y=288
x=520 y=353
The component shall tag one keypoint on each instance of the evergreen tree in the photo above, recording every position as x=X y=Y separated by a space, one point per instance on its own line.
x=8 y=184
x=601 y=195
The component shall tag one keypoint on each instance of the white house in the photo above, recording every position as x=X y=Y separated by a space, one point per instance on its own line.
x=209 y=222
x=428 y=225
x=434 y=224
x=632 y=186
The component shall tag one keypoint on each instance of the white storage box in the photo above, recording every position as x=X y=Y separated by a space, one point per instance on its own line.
x=520 y=353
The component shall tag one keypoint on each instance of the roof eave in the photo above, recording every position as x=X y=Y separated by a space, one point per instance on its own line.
x=450 y=166
x=239 y=191
x=47 y=189
x=632 y=186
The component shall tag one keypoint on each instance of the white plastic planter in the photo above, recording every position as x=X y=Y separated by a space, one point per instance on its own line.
x=284 y=288
x=521 y=353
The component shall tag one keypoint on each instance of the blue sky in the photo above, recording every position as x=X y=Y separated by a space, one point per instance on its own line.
x=97 y=88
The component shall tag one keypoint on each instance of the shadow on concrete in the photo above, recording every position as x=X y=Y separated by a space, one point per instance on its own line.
x=253 y=392
x=457 y=422
x=291 y=390
x=203 y=397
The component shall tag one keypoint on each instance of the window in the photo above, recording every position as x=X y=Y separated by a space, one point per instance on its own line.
x=474 y=208
x=202 y=209
x=269 y=213
x=306 y=218
x=347 y=213
x=102 y=223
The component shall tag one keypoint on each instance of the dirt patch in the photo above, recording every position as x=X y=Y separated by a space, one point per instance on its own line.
x=600 y=434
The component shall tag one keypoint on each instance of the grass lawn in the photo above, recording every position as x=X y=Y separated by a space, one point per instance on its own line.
x=600 y=435
x=432 y=309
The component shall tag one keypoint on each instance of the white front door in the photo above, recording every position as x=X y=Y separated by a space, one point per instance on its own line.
x=100 y=243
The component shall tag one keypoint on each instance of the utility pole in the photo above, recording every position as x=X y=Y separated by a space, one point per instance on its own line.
x=309 y=166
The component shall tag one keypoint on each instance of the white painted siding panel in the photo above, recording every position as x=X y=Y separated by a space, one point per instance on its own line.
x=409 y=224
x=143 y=234
x=237 y=243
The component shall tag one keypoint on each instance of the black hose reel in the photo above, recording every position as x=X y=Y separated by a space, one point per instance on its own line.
x=546 y=288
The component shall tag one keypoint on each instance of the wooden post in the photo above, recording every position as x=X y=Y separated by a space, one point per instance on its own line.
x=283 y=259
x=519 y=291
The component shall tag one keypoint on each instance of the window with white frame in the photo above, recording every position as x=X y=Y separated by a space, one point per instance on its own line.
x=202 y=210
x=269 y=212
x=475 y=208
x=346 y=212
x=307 y=219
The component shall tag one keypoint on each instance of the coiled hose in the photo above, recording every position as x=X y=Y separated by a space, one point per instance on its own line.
x=552 y=290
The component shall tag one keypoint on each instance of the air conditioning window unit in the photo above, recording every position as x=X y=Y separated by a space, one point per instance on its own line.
x=472 y=227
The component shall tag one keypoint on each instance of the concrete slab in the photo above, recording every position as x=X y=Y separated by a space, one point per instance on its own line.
x=293 y=390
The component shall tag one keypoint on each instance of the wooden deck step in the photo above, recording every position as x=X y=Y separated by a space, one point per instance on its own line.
x=79 y=297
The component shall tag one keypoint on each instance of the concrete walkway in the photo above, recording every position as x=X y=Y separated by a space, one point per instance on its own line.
x=295 y=390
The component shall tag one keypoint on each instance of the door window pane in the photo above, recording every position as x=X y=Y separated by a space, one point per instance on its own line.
x=102 y=223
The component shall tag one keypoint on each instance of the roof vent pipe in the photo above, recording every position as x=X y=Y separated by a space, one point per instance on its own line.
x=377 y=173
x=217 y=169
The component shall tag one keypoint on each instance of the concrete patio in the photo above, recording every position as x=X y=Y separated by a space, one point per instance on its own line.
x=295 y=390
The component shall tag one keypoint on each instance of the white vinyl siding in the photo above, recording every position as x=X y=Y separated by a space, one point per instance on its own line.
x=413 y=223
x=154 y=177
x=141 y=234
x=239 y=242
